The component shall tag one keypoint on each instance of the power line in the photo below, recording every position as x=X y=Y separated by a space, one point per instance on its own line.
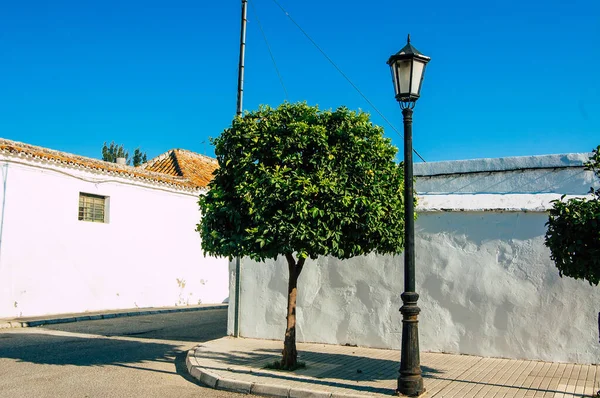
x=343 y=74
x=269 y=48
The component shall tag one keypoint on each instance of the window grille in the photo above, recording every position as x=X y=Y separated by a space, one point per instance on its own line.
x=92 y=207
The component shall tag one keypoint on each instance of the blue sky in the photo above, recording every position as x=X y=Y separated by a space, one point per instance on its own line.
x=507 y=78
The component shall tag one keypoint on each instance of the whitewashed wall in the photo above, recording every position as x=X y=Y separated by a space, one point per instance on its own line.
x=487 y=284
x=50 y=262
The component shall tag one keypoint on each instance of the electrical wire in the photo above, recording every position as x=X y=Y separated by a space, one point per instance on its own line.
x=343 y=74
x=269 y=48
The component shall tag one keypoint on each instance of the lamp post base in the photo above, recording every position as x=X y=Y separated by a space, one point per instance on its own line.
x=410 y=382
x=411 y=388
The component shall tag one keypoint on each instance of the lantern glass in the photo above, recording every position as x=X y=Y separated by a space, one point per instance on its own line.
x=418 y=67
x=401 y=69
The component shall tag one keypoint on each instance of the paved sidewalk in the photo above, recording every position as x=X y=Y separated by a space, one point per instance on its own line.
x=25 y=322
x=343 y=371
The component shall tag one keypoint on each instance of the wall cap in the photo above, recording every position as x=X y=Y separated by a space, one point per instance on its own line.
x=514 y=163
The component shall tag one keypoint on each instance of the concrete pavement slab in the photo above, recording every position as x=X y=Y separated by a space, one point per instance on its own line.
x=342 y=371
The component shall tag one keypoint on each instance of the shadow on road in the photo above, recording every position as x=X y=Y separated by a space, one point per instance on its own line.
x=68 y=350
x=181 y=368
x=192 y=327
x=117 y=341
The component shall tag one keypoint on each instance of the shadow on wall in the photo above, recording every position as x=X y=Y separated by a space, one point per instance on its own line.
x=479 y=227
x=572 y=181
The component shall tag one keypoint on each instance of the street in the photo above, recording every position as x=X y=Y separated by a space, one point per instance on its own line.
x=140 y=356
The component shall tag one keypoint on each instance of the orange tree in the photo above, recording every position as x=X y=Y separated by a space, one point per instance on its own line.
x=299 y=182
x=573 y=234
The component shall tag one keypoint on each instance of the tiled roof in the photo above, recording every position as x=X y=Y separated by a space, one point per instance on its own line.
x=198 y=168
x=181 y=163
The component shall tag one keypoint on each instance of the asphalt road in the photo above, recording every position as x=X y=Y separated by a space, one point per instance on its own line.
x=141 y=356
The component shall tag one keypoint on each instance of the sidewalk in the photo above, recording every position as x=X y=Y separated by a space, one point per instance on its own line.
x=343 y=371
x=24 y=322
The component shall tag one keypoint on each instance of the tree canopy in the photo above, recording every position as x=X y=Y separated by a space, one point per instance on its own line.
x=573 y=234
x=111 y=152
x=295 y=179
x=139 y=157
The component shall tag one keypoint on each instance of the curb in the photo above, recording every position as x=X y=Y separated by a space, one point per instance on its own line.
x=53 y=321
x=217 y=382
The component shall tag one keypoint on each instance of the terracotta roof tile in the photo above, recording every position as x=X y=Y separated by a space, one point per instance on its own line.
x=182 y=163
x=196 y=171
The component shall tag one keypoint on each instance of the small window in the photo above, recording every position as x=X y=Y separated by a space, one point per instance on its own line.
x=92 y=207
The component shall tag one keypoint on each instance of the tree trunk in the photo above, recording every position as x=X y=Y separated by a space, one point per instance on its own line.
x=290 y=355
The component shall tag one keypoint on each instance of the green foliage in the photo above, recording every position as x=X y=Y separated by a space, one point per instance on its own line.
x=111 y=152
x=298 y=179
x=573 y=234
x=139 y=157
x=594 y=162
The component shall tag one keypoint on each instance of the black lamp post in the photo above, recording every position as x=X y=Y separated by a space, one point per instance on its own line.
x=408 y=69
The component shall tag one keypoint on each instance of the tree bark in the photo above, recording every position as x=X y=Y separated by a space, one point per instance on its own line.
x=290 y=355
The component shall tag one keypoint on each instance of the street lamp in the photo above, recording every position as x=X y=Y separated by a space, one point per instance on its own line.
x=408 y=69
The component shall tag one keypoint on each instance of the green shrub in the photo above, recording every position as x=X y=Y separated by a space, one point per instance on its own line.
x=573 y=234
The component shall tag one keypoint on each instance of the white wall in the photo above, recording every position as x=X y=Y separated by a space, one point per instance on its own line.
x=487 y=284
x=50 y=262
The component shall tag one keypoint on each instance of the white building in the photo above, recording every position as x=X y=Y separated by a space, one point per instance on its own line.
x=79 y=234
x=486 y=282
